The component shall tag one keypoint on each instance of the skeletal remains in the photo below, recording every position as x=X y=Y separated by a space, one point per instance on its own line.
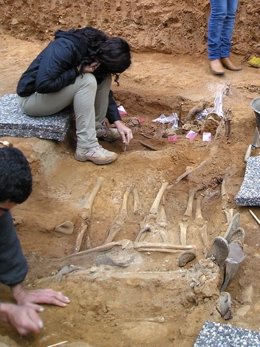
x=122 y=215
x=153 y=234
x=86 y=214
x=153 y=226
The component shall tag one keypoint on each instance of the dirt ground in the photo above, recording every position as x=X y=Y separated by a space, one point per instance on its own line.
x=124 y=297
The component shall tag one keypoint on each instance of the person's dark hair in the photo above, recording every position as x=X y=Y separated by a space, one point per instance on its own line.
x=15 y=176
x=114 y=54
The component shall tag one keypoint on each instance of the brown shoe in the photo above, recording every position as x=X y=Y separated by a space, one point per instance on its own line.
x=216 y=67
x=227 y=63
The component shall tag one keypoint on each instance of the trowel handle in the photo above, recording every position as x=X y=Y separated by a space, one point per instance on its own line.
x=248 y=153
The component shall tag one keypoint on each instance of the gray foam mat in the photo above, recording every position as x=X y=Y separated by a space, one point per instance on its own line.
x=249 y=193
x=13 y=122
x=224 y=335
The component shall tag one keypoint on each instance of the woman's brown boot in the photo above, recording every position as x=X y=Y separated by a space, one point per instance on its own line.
x=216 y=67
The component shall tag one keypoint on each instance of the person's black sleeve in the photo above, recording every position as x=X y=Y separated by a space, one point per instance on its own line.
x=13 y=265
x=112 y=111
x=56 y=68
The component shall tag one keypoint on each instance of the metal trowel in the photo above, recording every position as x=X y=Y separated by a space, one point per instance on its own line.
x=255 y=144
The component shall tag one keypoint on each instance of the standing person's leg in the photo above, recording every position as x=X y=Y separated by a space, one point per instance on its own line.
x=218 y=11
x=82 y=94
x=227 y=33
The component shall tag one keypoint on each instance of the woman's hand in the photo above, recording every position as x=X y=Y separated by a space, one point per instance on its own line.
x=124 y=131
x=88 y=68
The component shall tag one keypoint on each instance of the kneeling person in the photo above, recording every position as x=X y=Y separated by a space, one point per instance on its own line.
x=15 y=187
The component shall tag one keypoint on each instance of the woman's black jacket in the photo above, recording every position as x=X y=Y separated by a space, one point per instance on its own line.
x=56 y=67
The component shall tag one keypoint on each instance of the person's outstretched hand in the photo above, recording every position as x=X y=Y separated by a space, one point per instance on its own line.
x=124 y=131
x=24 y=318
x=39 y=296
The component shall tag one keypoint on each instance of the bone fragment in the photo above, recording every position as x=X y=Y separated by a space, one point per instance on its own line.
x=86 y=214
x=194 y=110
x=155 y=206
x=162 y=223
x=227 y=129
x=183 y=233
x=6 y=143
x=220 y=130
x=120 y=218
x=102 y=248
x=188 y=212
x=65 y=228
x=80 y=237
x=156 y=221
x=162 y=218
x=188 y=171
x=156 y=245
x=137 y=203
x=229 y=213
x=185 y=174
x=223 y=188
x=224 y=195
x=161 y=250
x=204 y=236
x=141 y=232
x=198 y=213
x=87 y=210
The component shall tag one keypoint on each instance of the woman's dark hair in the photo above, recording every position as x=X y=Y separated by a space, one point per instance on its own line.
x=112 y=52
x=114 y=55
x=15 y=176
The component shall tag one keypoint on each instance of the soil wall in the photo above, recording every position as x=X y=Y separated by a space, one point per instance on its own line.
x=177 y=26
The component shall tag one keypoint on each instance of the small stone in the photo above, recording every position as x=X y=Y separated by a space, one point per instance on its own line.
x=185 y=258
x=224 y=305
